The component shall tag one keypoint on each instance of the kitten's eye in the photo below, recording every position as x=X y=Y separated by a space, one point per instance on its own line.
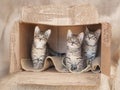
x=40 y=38
x=36 y=37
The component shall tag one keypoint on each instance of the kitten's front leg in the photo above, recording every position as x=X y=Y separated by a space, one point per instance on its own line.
x=37 y=64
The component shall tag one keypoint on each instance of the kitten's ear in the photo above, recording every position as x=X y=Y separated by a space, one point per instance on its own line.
x=81 y=36
x=48 y=33
x=86 y=31
x=37 y=31
x=69 y=34
x=97 y=33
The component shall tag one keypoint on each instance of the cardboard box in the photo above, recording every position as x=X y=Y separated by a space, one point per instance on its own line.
x=59 y=19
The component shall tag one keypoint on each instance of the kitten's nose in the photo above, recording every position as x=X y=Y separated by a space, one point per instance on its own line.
x=73 y=67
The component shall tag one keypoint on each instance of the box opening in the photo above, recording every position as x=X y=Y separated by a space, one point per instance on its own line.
x=57 y=40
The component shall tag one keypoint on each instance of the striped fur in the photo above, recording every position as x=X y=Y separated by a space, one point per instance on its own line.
x=90 y=45
x=39 y=47
x=73 y=60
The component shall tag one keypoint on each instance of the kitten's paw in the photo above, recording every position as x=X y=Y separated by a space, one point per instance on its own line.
x=37 y=66
x=65 y=70
x=40 y=65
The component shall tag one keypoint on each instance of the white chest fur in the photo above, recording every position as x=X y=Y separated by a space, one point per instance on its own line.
x=38 y=52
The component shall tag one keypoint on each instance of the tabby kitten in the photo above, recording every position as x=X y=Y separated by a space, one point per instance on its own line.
x=90 y=45
x=73 y=60
x=39 y=47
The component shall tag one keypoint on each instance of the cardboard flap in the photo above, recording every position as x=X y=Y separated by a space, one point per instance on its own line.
x=106 y=45
x=60 y=15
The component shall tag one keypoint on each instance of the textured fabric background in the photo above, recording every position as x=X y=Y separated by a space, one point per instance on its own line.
x=109 y=10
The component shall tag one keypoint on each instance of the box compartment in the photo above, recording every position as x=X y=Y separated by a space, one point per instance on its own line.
x=57 y=40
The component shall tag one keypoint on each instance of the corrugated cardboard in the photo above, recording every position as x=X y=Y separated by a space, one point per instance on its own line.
x=59 y=19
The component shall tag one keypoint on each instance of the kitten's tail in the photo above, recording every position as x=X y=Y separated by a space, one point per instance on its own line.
x=54 y=53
